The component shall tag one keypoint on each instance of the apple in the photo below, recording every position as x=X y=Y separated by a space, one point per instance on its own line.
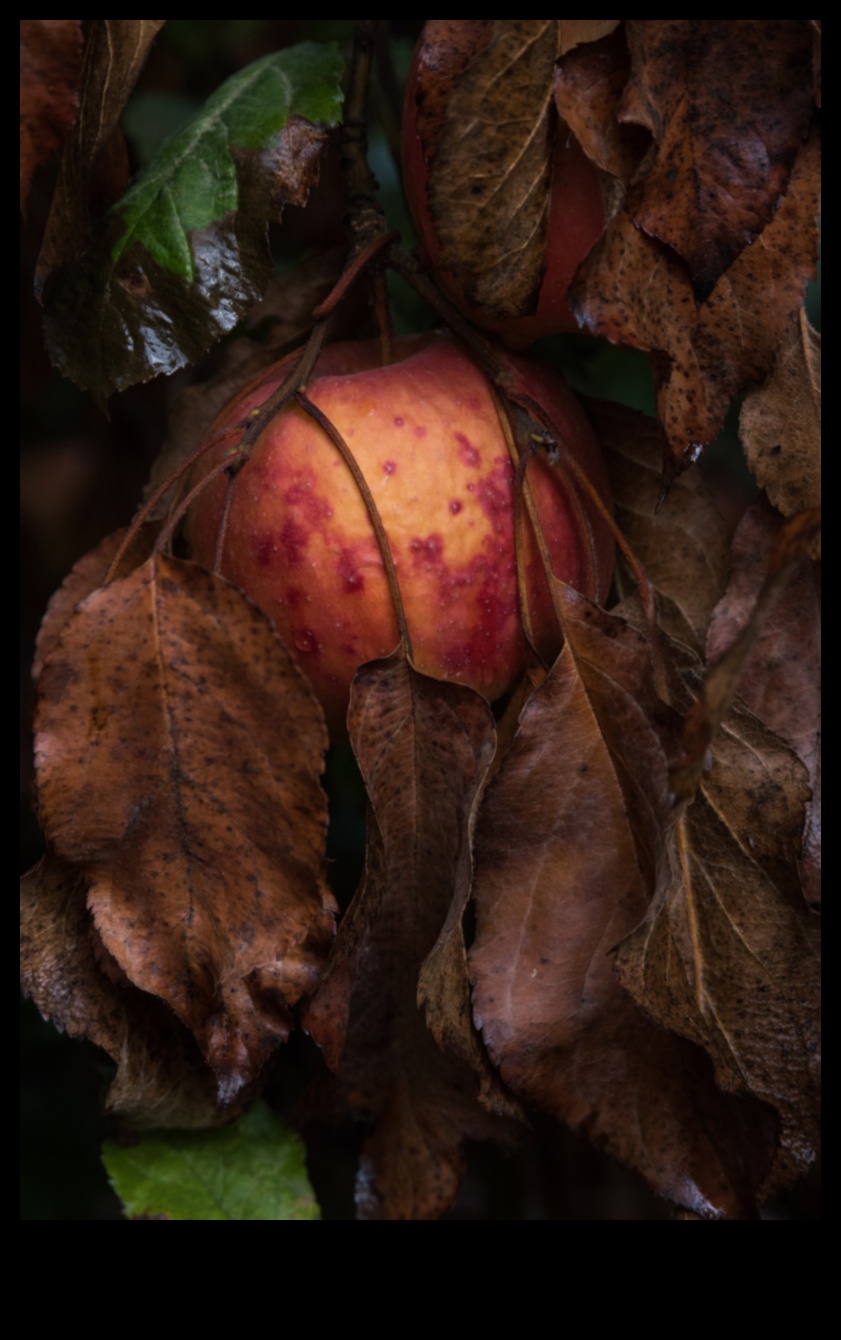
x=576 y=210
x=426 y=432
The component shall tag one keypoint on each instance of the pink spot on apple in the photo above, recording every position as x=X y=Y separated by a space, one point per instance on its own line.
x=294 y=539
x=419 y=431
x=467 y=451
x=306 y=640
x=389 y=467
x=455 y=506
x=426 y=550
x=264 y=549
x=398 y=422
x=351 y=577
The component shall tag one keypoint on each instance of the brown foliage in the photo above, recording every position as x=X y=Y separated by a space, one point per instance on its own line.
x=599 y=899
x=178 y=752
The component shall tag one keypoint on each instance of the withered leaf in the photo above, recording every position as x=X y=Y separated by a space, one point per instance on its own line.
x=178 y=753
x=89 y=573
x=490 y=176
x=728 y=957
x=574 y=32
x=569 y=843
x=50 y=69
x=635 y=291
x=728 y=103
x=589 y=84
x=683 y=545
x=184 y=253
x=790 y=546
x=115 y=53
x=161 y=1079
x=423 y=747
x=780 y=424
x=780 y=679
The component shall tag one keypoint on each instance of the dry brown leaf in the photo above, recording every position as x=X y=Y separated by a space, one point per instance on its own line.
x=574 y=32
x=86 y=575
x=791 y=545
x=588 y=92
x=682 y=544
x=178 y=753
x=115 y=53
x=728 y=957
x=423 y=747
x=489 y=179
x=635 y=291
x=570 y=841
x=728 y=103
x=780 y=681
x=50 y=69
x=780 y=424
x=161 y=1079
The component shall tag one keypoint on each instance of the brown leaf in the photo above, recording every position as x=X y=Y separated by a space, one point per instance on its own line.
x=683 y=545
x=423 y=747
x=569 y=843
x=780 y=681
x=161 y=1078
x=780 y=424
x=791 y=544
x=88 y=574
x=635 y=291
x=728 y=957
x=50 y=68
x=572 y=32
x=489 y=179
x=589 y=84
x=178 y=754
x=115 y=53
x=728 y=103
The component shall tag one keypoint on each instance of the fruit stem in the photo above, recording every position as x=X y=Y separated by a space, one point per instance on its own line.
x=298 y=376
x=373 y=512
x=365 y=220
x=160 y=492
x=236 y=460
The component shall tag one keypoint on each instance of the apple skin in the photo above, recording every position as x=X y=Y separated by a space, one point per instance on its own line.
x=426 y=433
x=576 y=210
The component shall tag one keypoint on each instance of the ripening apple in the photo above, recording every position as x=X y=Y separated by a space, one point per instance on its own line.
x=576 y=206
x=426 y=432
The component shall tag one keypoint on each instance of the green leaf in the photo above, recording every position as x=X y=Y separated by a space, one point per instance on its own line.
x=184 y=254
x=192 y=180
x=252 y=1169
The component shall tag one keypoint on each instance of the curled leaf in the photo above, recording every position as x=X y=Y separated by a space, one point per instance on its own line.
x=423 y=747
x=178 y=753
x=728 y=103
x=780 y=424
x=50 y=66
x=161 y=1078
x=570 y=842
x=635 y=291
x=115 y=53
x=681 y=540
x=489 y=180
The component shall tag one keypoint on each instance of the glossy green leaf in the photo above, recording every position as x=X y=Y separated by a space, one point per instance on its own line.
x=192 y=180
x=252 y=1169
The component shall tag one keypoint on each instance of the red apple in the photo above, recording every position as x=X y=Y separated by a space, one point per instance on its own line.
x=576 y=211
x=426 y=433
